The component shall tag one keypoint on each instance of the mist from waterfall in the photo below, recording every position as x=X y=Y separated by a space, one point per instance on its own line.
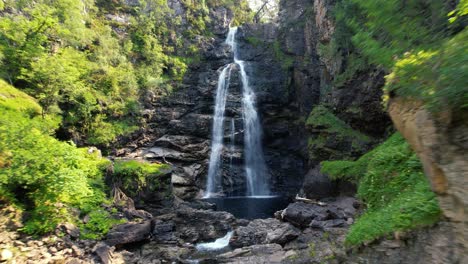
x=255 y=166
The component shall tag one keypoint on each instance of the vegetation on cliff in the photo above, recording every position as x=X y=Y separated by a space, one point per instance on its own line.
x=331 y=138
x=40 y=174
x=393 y=186
x=91 y=61
x=423 y=47
x=421 y=44
x=77 y=70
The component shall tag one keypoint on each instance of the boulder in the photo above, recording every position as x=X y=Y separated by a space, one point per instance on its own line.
x=332 y=212
x=264 y=231
x=128 y=233
x=317 y=185
x=301 y=214
x=164 y=232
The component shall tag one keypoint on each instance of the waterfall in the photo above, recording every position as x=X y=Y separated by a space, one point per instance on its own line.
x=255 y=167
x=232 y=139
x=218 y=131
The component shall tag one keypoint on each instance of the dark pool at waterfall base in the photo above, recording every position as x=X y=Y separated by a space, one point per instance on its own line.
x=250 y=207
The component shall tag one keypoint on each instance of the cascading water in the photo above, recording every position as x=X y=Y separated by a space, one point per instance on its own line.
x=218 y=131
x=255 y=168
x=232 y=138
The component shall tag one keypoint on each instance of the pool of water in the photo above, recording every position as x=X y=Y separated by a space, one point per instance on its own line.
x=251 y=207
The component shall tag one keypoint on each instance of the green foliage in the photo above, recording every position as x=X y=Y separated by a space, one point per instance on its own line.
x=460 y=11
x=98 y=224
x=12 y=99
x=321 y=118
x=92 y=69
x=378 y=30
x=134 y=175
x=422 y=43
x=394 y=188
x=41 y=174
x=240 y=8
x=438 y=77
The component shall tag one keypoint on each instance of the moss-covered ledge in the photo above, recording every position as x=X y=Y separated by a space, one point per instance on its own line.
x=331 y=138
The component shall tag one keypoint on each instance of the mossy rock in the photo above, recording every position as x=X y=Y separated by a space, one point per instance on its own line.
x=331 y=138
x=143 y=181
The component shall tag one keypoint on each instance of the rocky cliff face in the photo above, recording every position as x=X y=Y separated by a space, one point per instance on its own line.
x=441 y=142
x=343 y=120
x=180 y=125
x=290 y=79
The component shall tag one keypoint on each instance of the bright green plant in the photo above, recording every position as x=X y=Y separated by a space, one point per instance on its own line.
x=40 y=174
x=393 y=186
x=437 y=77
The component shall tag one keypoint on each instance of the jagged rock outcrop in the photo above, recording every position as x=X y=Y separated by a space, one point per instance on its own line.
x=441 y=142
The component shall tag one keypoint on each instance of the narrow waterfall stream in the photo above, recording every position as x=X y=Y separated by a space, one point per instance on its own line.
x=218 y=131
x=255 y=167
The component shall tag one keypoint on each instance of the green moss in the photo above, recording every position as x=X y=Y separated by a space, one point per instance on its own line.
x=98 y=224
x=394 y=188
x=256 y=42
x=286 y=60
x=354 y=65
x=312 y=250
x=332 y=138
x=137 y=175
x=322 y=119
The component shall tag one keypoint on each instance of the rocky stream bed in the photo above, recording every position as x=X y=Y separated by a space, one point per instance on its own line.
x=300 y=233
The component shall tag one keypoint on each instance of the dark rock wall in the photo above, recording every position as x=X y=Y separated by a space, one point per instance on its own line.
x=289 y=77
x=305 y=26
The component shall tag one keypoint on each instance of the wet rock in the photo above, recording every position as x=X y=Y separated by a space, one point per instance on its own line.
x=128 y=233
x=328 y=223
x=264 y=231
x=163 y=232
x=104 y=252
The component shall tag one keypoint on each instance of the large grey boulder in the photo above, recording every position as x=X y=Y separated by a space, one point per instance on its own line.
x=264 y=231
x=128 y=233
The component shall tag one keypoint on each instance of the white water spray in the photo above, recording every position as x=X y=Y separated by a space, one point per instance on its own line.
x=255 y=167
x=220 y=243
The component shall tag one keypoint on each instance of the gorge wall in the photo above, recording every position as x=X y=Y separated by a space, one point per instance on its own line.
x=295 y=90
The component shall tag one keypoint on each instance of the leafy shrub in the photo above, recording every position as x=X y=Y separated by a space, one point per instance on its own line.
x=40 y=174
x=394 y=188
x=438 y=77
